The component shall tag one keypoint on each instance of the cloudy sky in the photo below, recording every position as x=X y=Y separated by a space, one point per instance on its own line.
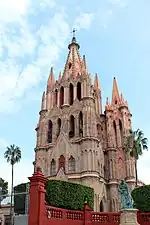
x=34 y=35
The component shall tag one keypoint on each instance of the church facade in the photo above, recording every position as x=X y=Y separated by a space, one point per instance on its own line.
x=76 y=140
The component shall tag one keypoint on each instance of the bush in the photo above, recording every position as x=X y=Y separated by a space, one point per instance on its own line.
x=141 y=197
x=19 y=200
x=68 y=195
x=60 y=194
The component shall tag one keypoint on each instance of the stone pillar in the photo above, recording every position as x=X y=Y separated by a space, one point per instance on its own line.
x=128 y=217
x=118 y=134
x=76 y=126
x=48 y=101
x=87 y=215
x=58 y=98
x=66 y=96
x=75 y=92
x=37 y=207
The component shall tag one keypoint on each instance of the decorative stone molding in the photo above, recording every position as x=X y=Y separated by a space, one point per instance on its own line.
x=128 y=217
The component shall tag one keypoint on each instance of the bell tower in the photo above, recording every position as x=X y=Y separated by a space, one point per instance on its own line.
x=76 y=141
x=120 y=165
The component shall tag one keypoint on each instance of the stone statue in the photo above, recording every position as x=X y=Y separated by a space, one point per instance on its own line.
x=126 y=199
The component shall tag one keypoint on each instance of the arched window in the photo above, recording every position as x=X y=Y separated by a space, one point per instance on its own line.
x=121 y=130
x=115 y=132
x=62 y=162
x=71 y=132
x=53 y=167
x=79 y=91
x=58 y=126
x=61 y=96
x=71 y=94
x=71 y=164
x=56 y=97
x=50 y=129
x=80 y=124
x=101 y=206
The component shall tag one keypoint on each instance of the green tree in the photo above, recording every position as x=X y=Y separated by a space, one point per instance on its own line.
x=13 y=156
x=135 y=143
x=3 y=189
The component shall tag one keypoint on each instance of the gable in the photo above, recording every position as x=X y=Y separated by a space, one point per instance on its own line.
x=61 y=174
x=63 y=146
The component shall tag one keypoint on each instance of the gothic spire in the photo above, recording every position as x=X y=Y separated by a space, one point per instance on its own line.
x=84 y=68
x=73 y=64
x=59 y=76
x=51 y=78
x=115 y=92
x=96 y=82
x=43 y=104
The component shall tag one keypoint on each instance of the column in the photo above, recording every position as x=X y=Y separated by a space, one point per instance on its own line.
x=118 y=134
x=48 y=102
x=58 y=100
x=66 y=95
x=37 y=207
x=75 y=92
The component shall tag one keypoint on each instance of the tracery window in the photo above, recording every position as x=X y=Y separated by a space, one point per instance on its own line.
x=80 y=124
x=62 y=162
x=53 y=167
x=71 y=164
x=71 y=94
x=55 y=97
x=72 y=125
x=58 y=126
x=115 y=132
x=61 y=96
x=79 y=91
x=50 y=130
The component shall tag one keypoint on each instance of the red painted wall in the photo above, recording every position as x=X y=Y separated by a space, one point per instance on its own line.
x=42 y=214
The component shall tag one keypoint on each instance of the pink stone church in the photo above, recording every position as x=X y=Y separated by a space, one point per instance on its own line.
x=79 y=142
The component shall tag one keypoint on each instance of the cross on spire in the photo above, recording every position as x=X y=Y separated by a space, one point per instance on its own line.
x=74 y=31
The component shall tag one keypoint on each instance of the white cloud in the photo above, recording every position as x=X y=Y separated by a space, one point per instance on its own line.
x=84 y=20
x=27 y=55
x=11 y=10
x=47 y=3
x=120 y=3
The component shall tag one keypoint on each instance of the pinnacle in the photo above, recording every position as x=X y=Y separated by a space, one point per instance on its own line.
x=115 y=92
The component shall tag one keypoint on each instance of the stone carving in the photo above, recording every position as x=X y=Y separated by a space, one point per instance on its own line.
x=126 y=199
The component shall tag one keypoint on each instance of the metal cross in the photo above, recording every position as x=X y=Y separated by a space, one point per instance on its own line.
x=74 y=30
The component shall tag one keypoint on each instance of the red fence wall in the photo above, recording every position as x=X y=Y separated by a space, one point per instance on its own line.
x=42 y=214
x=66 y=217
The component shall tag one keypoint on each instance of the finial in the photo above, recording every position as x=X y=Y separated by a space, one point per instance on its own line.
x=74 y=31
x=74 y=39
x=59 y=76
x=107 y=102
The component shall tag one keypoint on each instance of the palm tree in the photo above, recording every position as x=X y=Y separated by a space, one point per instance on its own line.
x=135 y=143
x=13 y=156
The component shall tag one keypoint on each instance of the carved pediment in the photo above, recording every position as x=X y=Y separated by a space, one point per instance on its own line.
x=61 y=174
x=63 y=145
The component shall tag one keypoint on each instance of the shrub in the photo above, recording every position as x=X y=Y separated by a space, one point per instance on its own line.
x=141 y=197
x=68 y=195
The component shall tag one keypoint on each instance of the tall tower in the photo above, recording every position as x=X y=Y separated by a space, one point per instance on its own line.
x=120 y=164
x=75 y=140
